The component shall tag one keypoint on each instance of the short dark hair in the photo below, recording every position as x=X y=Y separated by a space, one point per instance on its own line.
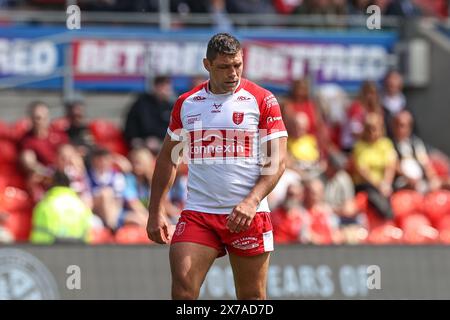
x=222 y=43
x=70 y=105
x=161 y=79
x=60 y=179
x=100 y=152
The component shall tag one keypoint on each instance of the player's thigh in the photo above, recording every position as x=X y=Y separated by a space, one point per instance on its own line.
x=250 y=275
x=190 y=262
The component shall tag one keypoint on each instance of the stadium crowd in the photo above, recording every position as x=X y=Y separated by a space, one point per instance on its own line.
x=403 y=8
x=358 y=171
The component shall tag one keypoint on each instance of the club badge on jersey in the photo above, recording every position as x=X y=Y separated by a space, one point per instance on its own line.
x=238 y=117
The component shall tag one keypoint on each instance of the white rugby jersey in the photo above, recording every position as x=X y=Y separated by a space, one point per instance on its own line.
x=222 y=136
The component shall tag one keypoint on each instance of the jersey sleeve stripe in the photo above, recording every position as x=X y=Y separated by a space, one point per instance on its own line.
x=274 y=135
x=173 y=135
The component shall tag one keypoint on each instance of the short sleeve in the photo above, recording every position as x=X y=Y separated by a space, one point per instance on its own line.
x=271 y=123
x=420 y=150
x=391 y=154
x=175 y=124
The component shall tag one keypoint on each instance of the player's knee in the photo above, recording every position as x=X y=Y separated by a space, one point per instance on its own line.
x=251 y=294
x=182 y=290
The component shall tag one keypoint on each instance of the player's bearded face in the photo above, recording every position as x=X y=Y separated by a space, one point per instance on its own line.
x=225 y=72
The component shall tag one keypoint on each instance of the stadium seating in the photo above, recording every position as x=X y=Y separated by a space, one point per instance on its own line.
x=406 y=202
x=436 y=205
x=413 y=221
x=417 y=229
x=17 y=203
x=104 y=130
x=385 y=234
x=60 y=124
x=440 y=164
x=100 y=236
x=5 y=130
x=444 y=223
x=132 y=234
x=108 y=135
x=8 y=152
x=372 y=218
x=15 y=200
x=12 y=177
x=19 y=224
x=20 y=127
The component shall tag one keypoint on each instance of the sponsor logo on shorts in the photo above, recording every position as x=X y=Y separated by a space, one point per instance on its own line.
x=245 y=243
x=180 y=228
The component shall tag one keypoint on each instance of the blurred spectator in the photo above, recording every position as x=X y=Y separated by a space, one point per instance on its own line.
x=288 y=219
x=323 y=223
x=414 y=169
x=438 y=8
x=60 y=216
x=393 y=100
x=303 y=146
x=78 y=130
x=122 y=5
x=70 y=162
x=382 y=4
x=374 y=160
x=368 y=101
x=148 y=118
x=299 y=101
x=402 y=8
x=39 y=149
x=108 y=187
x=250 y=6
x=340 y=195
x=222 y=23
x=332 y=101
x=40 y=143
x=322 y=7
x=216 y=8
x=143 y=164
x=286 y=6
x=278 y=194
x=339 y=189
x=358 y=7
x=139 y=184
x=325 y=11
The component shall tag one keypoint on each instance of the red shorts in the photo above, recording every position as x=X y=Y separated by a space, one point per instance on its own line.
x=210 y=230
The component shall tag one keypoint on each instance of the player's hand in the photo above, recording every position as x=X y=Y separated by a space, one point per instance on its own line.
x=157 y=228
x=241 y=217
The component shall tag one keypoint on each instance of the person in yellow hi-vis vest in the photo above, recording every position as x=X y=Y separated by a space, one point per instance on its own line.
x=61 y=216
